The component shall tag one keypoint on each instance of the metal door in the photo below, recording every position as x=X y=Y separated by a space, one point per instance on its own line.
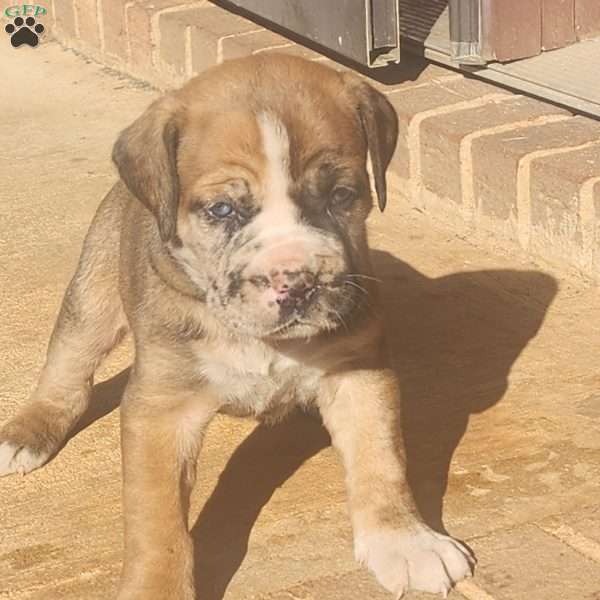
x=364 y=31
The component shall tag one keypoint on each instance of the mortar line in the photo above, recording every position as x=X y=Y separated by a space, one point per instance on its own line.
x=275 y=47
x=126 y=8
x=587 y=215
x=414 y=134
x=76 y=21
x=408 y=88
x=53 y=15
x=232 y=35
x=466 y=155
x=187 y=52
x=575 y=540
x=155 y=37
x=524 y=183
x=100 y=21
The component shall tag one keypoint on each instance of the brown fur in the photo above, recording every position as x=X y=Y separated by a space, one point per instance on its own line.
x=152 y=265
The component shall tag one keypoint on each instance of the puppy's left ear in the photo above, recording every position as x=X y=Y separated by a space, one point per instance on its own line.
x=380 y=124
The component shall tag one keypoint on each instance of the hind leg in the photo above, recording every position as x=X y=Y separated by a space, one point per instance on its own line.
x=90 y=323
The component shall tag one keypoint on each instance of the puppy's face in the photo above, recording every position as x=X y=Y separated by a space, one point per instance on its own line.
x=272 y=196
x=271 y=221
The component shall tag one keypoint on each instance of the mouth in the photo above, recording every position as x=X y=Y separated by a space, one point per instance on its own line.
x=340 y=312
x=291 y=323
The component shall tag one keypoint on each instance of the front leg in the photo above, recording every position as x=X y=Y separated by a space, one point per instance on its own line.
x=161 y=433
x=360 y=408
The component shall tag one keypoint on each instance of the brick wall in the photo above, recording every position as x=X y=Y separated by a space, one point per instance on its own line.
x=490 y=164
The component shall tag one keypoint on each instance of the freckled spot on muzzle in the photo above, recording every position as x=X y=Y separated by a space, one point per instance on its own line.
x=235 y=282
x=260 y=281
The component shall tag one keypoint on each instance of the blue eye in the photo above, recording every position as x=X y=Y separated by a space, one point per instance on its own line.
x=221 y=210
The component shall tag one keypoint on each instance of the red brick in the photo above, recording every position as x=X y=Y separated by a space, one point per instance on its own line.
x=515 y=29
x=296 y=50
x=65 y=18
x=87 y=19
x=113 y=19
x=206 y=36
x=441 y=137
x=410 y=102
x=244 y=45
x=558 y=23
x=172 y=35
x=555 y=204
x=496 y=159
x=587 y=18
x=139 y=26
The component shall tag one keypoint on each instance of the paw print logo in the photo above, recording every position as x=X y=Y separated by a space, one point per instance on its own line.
x=24 y=32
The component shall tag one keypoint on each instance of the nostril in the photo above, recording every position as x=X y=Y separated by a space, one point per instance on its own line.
x=293 y=289
x=283 y=297
x=287 y=296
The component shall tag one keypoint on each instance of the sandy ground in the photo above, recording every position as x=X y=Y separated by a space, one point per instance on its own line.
x=501 y=394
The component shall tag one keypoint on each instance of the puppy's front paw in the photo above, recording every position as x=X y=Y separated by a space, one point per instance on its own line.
x=418 y=559
x=15 y=458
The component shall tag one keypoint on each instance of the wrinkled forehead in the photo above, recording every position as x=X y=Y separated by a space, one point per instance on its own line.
x=254 y=143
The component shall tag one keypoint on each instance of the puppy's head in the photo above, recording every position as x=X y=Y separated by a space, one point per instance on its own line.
x=256 y=174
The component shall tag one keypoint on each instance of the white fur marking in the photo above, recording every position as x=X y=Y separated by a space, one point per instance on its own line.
x=422 y=560
x=278 y=208
x=19 y=460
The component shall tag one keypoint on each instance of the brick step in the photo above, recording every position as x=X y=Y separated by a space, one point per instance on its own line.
x=490 y=164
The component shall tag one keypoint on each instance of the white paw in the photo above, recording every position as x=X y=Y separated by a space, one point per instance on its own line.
x=19 y=459
x=420 y=559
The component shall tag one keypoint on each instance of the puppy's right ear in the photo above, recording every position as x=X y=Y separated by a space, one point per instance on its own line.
x=146 y=156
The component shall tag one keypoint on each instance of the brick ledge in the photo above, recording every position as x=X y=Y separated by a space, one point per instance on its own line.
x=489 y=164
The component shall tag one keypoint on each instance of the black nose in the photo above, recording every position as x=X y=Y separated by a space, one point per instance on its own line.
x=293 y=296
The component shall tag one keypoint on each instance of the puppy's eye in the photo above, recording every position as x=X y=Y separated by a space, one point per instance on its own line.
x=221 y=210
x=343 y=197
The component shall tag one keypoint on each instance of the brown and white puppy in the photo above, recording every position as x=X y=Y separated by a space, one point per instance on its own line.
x=234 y=248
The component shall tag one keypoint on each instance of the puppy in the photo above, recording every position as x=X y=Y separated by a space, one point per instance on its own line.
x=234 y=248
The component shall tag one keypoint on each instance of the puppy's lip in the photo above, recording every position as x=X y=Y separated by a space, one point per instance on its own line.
x=292 y=322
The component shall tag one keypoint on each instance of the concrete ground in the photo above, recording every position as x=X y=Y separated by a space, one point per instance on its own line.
x=499 y=368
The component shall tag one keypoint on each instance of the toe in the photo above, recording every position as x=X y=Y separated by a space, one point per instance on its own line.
x=458 y=564
x=7 y=455
x=460 y=547
x=427 y=574
x=19 y=459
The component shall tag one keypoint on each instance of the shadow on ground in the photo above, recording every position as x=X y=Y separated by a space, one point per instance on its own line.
x=453 y=340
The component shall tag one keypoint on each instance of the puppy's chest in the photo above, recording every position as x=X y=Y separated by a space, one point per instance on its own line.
x=253 y=379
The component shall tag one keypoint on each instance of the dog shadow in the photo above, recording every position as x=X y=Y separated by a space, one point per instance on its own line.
x=106 y=397
x=453 y=341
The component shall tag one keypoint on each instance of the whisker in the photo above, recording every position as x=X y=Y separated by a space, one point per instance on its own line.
x=358 y=287
x=360 y=275
x=339 y=316
x=363 y=301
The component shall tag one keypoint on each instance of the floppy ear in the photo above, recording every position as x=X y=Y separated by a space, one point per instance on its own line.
x=146 y=156
x=380 y=125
